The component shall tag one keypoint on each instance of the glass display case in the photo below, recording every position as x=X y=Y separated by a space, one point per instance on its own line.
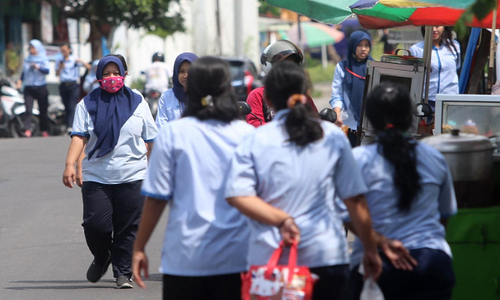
x=476 y=114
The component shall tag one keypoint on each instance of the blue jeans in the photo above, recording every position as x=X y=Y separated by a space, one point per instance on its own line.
x=432 y=279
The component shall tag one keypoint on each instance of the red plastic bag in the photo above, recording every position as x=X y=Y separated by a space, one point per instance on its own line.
x=273 y=282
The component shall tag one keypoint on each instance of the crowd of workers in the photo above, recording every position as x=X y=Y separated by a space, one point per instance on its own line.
x=235 y=192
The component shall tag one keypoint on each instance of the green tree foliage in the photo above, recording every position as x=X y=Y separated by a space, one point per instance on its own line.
x=160 y=17
x=265 y=8
x=480 y=9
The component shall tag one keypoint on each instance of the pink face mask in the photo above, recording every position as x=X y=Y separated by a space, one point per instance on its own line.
x=112 y=84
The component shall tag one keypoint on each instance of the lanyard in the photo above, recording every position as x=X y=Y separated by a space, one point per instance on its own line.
x=354 y=74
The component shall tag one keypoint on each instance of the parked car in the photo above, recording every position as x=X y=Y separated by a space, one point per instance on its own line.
x=245 y=76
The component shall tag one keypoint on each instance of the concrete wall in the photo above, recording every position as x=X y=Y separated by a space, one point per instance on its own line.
x=200 y=36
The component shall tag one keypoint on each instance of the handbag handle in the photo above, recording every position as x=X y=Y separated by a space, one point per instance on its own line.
x=292 y=260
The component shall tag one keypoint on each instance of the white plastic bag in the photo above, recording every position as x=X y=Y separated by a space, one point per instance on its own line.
x=371 y=291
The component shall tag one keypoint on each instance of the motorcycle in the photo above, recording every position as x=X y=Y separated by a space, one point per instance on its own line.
x=57 y=117
x=326 y=114
x=12 y=113
x=153 y=97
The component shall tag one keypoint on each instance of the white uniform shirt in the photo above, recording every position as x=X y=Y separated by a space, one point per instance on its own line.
x=420 y=227
x=205 y=235
x=157 y=76
x=127 y=162
x=169 y=108
x=444 y=66
x=302 y=182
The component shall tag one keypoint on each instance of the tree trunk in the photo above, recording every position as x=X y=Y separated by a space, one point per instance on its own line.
x=95 y=40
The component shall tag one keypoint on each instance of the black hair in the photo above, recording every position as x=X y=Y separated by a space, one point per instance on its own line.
x=124 y=62
x=446 y=39
x=389 y=109
x=284 y=80
x=210 y=76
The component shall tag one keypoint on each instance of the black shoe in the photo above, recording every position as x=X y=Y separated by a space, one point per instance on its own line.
x=96 y=271
x=123 y=282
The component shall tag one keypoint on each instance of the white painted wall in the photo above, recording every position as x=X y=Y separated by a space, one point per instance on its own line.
x=200 y=36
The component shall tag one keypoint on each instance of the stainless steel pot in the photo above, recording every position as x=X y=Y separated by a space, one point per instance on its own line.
x=469 y=156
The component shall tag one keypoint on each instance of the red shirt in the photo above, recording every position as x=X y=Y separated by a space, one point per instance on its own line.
x=255 y=100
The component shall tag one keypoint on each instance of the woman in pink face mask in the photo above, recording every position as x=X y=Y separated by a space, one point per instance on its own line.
x=114 y=127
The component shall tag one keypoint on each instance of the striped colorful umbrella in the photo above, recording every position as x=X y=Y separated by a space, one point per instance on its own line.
x=374 y=14
x=385 y=13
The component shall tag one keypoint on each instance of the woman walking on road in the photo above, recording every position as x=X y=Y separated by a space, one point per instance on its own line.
x=410 y=196
x=285 y=177
x=206 y=240
x=115 y=127
x=172 y=102
x=35 y=69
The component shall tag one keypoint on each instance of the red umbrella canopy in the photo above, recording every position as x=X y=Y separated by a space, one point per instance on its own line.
x=374 y=14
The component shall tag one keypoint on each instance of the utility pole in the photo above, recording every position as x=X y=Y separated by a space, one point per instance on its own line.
x=238 y=28
x=219 y=34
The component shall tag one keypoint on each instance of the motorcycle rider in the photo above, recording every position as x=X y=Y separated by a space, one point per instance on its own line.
x=278 y=51
x=157 y=75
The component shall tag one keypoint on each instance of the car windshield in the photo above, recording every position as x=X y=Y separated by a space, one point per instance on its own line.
x=236 y=68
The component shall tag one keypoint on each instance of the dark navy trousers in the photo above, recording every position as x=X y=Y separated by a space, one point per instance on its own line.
x=70 y=92
x=111 y=215
x=432 y=279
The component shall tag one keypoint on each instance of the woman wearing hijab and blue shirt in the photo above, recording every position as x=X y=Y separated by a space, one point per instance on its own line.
x=445 y=62
x=35 y=68
x=348 y=83
x=115 y=127
x=172 y=102
x=206 y=240
x=285 y=177
x=410 y=196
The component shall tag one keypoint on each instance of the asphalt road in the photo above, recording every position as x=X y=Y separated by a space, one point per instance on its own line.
x=43 y=254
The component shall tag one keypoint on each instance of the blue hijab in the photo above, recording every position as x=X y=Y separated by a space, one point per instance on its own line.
x=178 y=88
x=354 y=86
x=109 y=111
x=41 y=55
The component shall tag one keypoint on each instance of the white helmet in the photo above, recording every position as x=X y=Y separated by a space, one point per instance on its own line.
x=279 y=51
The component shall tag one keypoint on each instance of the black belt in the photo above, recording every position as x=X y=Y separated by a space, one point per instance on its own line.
x=68 y=83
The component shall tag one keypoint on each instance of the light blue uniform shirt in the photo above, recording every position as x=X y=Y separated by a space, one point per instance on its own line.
x=420 y=227
x=444 y=66
x=340 y=98
x=169 y=108
x=127 y=162
x=303 y=182
x=34 y=77
x=70 y=72
x=205 y=236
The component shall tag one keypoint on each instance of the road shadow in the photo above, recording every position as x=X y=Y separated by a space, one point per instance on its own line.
x=60 y=284
x=70 y=284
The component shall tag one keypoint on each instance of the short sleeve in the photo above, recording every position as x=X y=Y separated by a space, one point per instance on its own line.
x=241 y=179
x=447 y=199
x=149 y=129
x=159 y=181
x=161 y=114
x=80 y=121
x=348 y=179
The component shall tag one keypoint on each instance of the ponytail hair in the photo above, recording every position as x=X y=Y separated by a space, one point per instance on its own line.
x=389 y=110
x=286 y=87
x=209 y=91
